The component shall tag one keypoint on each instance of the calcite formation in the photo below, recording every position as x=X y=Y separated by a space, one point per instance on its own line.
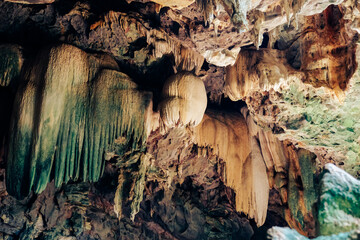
x=181 y=119
x=338 y=208
x=184 y=100
x=245 y=170
x=174 y=4
x=10 y=66
x=132 y=173
x=254 y=157
x=62 y=119
x=289 y=90
x=31 y=1
x=254 y=70
x=338 y=216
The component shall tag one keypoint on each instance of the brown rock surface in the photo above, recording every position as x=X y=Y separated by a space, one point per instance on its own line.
x=278 y=83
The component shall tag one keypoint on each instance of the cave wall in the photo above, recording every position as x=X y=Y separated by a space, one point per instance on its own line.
x=176 y=119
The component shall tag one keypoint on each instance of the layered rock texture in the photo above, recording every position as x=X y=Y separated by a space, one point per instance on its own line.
x=337 y=206
x=179 y=119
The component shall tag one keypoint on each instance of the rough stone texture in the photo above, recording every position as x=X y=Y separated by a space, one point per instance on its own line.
x=11 y=61
x=10 y=66
x=174 y=4
x=277 y=233
x=320 y=52
x=179 y=202
x=295 y=70
x=337 y=204
x=312 y=99
x=31 y=1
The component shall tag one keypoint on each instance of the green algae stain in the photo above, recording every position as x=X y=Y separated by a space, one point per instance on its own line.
x=304 y=182
x=285 y=233
x=130 y=191
x=338 y=206
x=339 y=202
x=65 y=124
x=10 y=65
x=308 y=170
x=316 y=119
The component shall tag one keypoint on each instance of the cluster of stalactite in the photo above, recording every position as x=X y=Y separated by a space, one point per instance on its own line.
x=74 y=110
x=71 y=108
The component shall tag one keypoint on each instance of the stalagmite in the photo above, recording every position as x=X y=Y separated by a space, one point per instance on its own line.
x=184 y=100
x=131 y=183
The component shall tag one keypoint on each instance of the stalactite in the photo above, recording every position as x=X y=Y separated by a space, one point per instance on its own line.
x=208 y=8
x=174 y=4
x=239 y=17
x=186 y=59
x=253 y=71
x=257 y=18
x=228 y=136
x=271 y=147
x=237 y=10
x=287 y=8
x=66 y=120
x=76 y=116
x=11 y=61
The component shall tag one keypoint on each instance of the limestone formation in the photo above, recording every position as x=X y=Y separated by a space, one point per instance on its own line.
x=292 y=171
x=277 y=233
x=31 y=1
x=174 y=4
x=180 y=119
x=302 y=87
x=10 y=65
x=253 y=71
x=228 y=137
x=62 y=121
x=132 y=173
x=184 y=100
x=337 y=203
x=338 y=208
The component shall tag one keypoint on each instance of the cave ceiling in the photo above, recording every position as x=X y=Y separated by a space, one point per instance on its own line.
x=179 y=119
